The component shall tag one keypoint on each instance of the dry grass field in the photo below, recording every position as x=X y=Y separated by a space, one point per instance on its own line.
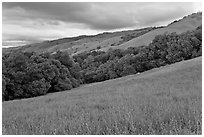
x=165 y=100
x=105 y=41
x=186 y=24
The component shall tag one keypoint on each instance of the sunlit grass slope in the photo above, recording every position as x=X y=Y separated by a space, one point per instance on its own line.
x=165 y=100
x=188 y=23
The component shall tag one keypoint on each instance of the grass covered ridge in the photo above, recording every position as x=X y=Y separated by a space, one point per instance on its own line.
x=166 y=100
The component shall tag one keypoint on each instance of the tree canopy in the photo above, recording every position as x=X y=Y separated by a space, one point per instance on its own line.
x=28 y=74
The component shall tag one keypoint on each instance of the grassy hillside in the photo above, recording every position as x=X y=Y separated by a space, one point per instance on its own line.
x=120 y=39
x=81 y=43
x=188 y=23
x=165 y=100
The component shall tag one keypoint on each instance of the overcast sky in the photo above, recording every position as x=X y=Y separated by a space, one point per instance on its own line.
x=46 y=21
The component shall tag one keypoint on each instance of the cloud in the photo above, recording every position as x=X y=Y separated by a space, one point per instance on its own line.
x=102 y=16
x=40 y=30
x=48 y=20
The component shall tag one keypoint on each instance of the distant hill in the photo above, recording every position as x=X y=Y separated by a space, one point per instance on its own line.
x=186 y=24
x=122 y=39
x=83 y=43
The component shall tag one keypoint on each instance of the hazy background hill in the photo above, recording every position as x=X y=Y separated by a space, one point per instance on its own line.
x=161 y=95
x=102 y=68
x=186 y=24
x=104 y=41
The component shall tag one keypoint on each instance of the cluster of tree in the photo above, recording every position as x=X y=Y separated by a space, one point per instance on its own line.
x=28 y=74
x=164 y=49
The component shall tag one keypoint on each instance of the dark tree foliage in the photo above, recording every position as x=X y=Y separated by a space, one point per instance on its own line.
x=4 y=92
x=164 y=49
x=28 y=74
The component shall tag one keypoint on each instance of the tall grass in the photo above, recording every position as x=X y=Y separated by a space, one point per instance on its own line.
x=149 y=104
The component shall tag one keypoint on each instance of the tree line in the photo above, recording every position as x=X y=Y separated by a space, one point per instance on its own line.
x=164 y=49
x=28 y=74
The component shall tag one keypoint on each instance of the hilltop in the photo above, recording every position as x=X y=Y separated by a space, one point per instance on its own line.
x=187 y=23
x=115 y=40
x=148 y=82
x=30 y=74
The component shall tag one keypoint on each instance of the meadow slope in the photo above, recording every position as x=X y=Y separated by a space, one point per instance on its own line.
x=188 y=23
x=164 y=100
x=104 y=41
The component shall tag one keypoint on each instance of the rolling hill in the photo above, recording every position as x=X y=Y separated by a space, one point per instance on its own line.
x=188 y=23
x=80 y=43
x=166 y=100
x=122 y=39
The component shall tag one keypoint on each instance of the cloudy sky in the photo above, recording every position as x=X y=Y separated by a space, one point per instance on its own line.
x=33 y=22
